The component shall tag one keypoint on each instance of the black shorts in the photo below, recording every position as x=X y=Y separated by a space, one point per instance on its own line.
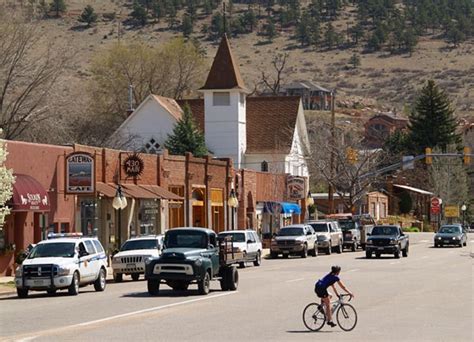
x=321 y=292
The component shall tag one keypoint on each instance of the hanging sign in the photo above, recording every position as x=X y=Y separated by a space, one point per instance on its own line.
x=133 y=165
x=80 y=173
x=296 y=187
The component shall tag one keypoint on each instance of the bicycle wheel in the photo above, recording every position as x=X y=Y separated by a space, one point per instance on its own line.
x=313 y=317
x=346 y=317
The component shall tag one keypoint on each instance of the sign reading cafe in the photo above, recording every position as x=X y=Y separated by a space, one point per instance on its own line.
x=80 y=173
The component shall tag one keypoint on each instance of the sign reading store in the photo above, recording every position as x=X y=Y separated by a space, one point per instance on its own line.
x=80 y=173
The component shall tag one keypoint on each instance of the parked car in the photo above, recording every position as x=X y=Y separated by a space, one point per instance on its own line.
x=64 y=261
x=329 y=235
x=299 y=239
x=193 y=256
x=366 y=223
x=351 y=230
x=131 y=258
x=387 y=239
x=246 y=242
x=453 y=235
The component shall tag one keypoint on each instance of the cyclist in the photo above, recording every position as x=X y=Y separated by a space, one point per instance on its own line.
x=321 y=289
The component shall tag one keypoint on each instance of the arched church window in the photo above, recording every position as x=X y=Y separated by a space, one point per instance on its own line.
x=264 y=166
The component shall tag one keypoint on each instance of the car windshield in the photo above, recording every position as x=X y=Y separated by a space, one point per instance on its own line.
x=385 y=230
x=293 y=231
x=139 y=244
x=320 y=227
x=236 y=237
x=347 y=224
x=53 y=250
x=450 y=230
x=186 y=239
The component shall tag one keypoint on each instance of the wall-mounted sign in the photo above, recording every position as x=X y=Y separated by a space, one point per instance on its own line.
x=133 y=165
x=296 y=187
x=80 y=173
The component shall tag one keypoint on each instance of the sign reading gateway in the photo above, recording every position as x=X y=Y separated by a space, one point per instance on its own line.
x=80 y=173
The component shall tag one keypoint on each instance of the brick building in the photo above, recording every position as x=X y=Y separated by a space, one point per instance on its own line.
x=171 y=191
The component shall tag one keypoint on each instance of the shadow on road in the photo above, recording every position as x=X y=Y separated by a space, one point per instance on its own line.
x=307 y=332
x=166 y=293
x=386 y=257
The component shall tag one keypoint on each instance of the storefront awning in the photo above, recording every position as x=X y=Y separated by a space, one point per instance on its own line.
x=137 y=191
x=105 y=189
x=162 y=192
x=29 y=195
x=281 y=208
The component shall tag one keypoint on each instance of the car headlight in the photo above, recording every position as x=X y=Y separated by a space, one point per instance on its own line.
x=62 y=271
x=456 y=238
x=198 y=262
x=393 y=242
x=370 y=242
x=298 y=242
x=439 y=237
x=19 y=271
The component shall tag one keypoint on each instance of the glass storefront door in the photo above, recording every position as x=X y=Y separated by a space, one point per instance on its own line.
x=148 y=216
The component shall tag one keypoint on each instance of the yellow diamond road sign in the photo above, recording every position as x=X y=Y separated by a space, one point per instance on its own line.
x=451 y=211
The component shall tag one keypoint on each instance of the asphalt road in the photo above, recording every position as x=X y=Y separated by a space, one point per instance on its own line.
x=425 y=297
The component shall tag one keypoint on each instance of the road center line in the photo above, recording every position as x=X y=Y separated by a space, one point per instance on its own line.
x=395 y=262
x=353 y=270
x=28 y=337
x=425 y=257
x=294 y=280
x=424 y=241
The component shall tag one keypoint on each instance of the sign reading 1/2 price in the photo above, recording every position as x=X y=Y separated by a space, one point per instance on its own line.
x=133 y=166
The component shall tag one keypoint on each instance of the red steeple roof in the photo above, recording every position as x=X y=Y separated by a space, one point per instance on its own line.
x=225 y=73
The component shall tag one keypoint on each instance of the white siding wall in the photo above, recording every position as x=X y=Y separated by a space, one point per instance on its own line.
x=276 y=162
x=150 y=121
x=225 y=127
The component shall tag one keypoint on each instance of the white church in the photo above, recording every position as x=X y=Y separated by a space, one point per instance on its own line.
x=263 y=133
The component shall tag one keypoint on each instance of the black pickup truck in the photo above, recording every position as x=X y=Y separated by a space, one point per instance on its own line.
x=193 y=256
x=387 y=239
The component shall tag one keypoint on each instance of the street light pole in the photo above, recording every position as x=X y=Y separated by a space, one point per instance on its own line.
x=119 y=203
x=331 y=161
x=463 y=209
x=233 y=203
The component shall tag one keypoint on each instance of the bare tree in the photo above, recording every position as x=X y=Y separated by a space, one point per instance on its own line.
x=29 y=68
x=273 y=82
x=355 y=167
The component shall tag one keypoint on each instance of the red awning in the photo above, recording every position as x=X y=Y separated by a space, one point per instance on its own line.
x=29 y=195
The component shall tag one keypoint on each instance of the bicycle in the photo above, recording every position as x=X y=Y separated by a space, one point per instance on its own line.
x=314 y=315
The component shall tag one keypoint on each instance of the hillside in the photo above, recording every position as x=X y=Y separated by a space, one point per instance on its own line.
x=389 y=79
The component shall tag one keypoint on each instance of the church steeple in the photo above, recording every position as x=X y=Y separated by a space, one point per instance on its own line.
x=225 y=73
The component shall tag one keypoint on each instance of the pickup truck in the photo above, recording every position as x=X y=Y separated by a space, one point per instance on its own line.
x=387 y=239
x=366 y=224
x=193 y=256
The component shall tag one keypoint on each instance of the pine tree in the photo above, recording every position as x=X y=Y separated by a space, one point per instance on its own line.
x=88 y=15
x=330 y=36
x=58 y=6
x=270 y=30
x=432 y=123
x=187 y=25
x=186 y=136
x=139 y=14
x=354 y=60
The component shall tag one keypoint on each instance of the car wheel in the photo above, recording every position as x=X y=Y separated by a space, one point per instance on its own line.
x=354 y=246
x=368 y=255
x=339 y=248
x=285 y=256
x=377 y=255
x=273 y=255
x=232 y=278
x=465 y=243
x=314 y=252
x=204 y=284
x=241 y=264
x=397 y=254
x=135 y=276
x=405 y=251
x=329 y=249
x=436 y=245
x=100 y=283
x=258 y=259
x=304 y=252
x=73 y=289
x=153 y=287
x=22 y=293
x=118 y=277
x=362 y=246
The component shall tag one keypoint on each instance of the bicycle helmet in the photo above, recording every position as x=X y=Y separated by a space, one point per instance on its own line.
x=335 y=269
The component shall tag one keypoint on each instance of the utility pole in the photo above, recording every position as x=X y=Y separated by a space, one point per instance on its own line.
x=331 y=162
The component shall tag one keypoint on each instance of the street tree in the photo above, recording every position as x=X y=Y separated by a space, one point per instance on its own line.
x=6 y=182
x=170 y=70
x=88 y=16
x=354 y=169
x=58 y=7
x=30 y=68
x=273 y=82
x=432 y=122
x=186 y=136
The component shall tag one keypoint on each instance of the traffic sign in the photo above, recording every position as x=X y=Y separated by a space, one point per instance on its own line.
x=435 y=210
x=451 y=211
x=435 y=202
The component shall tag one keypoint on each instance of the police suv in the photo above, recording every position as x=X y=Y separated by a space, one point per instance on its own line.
x=64 y=261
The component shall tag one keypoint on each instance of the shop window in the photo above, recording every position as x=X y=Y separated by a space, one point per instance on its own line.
x=176 y=208
x=89 y=217
x=148 y=217
x=64 y=227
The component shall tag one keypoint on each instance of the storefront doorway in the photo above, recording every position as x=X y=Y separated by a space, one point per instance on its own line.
x=199 y=209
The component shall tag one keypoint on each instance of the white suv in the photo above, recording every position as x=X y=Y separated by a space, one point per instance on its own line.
x=248 y=243
x=64 y=261
x=132 y=255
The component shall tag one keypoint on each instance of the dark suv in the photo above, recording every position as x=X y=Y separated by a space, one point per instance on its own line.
x=387 y=239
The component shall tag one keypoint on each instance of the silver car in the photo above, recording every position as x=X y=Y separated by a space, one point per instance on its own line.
x=329 y=235
x=298 y=239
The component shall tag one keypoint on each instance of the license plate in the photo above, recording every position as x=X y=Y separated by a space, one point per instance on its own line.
x=286 y=252
x=38 y=282
x=130 y=265
x=380 y=248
